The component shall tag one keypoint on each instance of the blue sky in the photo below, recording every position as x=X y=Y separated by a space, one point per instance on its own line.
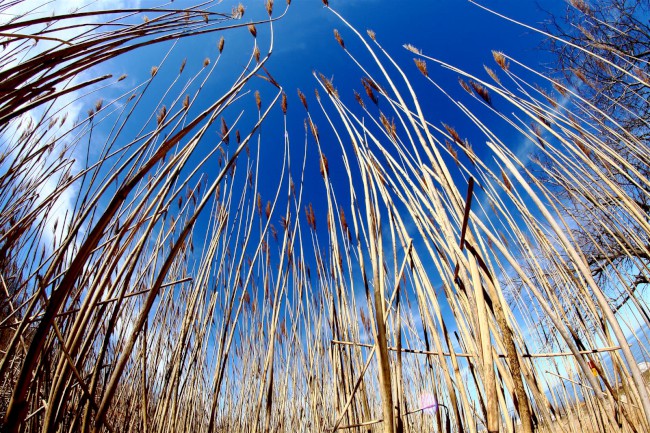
x=456 y=32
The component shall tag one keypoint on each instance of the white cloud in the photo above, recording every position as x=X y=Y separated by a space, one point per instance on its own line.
x=70 y=105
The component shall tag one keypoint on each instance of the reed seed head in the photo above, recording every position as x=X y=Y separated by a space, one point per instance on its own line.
x=500 y=58
x=464 y=85
x=303 y=99
x=422 y=66
x=359 y=100
x=413 y=49
x=220 y=45
x=339 y=39
x=314 y=130
x=253 y=30
x=368 y=86
x=329 y=87
x=492 y=74
x=581 y=6
x=452 y=132
x=481 y=91
x=225 y=136
x=162 y=114
x=324 y=166
x=506 y=181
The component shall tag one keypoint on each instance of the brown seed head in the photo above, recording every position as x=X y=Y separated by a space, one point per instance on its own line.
x=560 y=89
x=368 y=87
x=324 y=166
x=583 y=147
x=359 y=100
x=283 y=103
x=154 y=70
x=314 y=130
x=206 y=62
x=413 y=49
x=326 y=3
x=371 y=34
x=506 y=181
x=186 y=102
x=161 y=115
x=452 y=152
x=582 y=77
x=581 y=6
x=269 y=7
x=182 y=68
x=256 y=54
x=500 y=58
x=481 y=91
x=344 y=223
x=329 y=86
x=389 y=126
x=311 y=217
x=452 y=132
x=464 y=85
x=122 y=77
x=642 y=75
x=492 y=74
x=99 y=104
x=220 y=45
x=422 y=66
x=225 y=136
x=253 y=30
x=339 y=39
x=303 y=99
x=258 y=100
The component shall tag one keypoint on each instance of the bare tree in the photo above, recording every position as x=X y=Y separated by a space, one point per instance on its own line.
x=603 y=49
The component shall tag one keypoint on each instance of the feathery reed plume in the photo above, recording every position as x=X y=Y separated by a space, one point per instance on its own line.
x=339 y=39
x=303 y=99
x=500 y=58
x=422 y=66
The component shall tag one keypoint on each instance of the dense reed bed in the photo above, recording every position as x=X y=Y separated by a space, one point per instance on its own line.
x=150 y=282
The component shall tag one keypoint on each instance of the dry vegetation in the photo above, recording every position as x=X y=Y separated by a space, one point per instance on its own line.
x=170 y=297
